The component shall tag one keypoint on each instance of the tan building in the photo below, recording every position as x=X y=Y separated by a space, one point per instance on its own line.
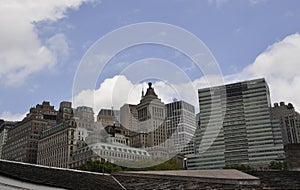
x=151 y=121
x=109 y=117
x=22 y=140
x=57 y=144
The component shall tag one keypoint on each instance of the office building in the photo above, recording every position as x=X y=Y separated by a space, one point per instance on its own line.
x=151 y=130
x=84 y=117
x=129 y=117
x=5 y=126
x=181 y=126
x=289 y=121
x=57 y=144
x=236 y=127
x=22 y=140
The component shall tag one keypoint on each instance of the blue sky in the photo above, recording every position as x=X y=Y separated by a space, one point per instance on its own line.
x=43 y=43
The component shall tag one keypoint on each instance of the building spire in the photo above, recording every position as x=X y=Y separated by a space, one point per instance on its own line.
x=143 y=94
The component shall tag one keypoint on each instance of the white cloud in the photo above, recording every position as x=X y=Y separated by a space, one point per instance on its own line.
x=112 y=92
x=119 y=90
x=8 y=116
x=280 y=65
x=22 y=53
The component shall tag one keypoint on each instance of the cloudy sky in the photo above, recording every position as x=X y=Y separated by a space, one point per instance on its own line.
x=43 y=42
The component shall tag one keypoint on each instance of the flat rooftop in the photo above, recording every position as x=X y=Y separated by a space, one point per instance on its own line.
x=229 y=176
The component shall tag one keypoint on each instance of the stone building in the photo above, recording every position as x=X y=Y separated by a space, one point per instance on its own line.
x=84 y=117
x=57 y=144
x=65 y=112
x=151 y=121
x=5 y=126
x=109 y=117
x=289 y=121
x=22 y=140
x=107 y=153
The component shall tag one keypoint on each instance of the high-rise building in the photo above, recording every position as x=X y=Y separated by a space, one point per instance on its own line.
x=57 y=144
x=5 y=126
x=289 y=121
x=129 y=117
x=65 y=112
x=236 y=127
x=151 y=130
x=181 y=126
x=22 y=140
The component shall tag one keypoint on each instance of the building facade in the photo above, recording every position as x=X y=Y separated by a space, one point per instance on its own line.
x=5 y=126
x=84 y=117
x=107 y=152
x=22 y=140
x=151 y=130
x=57 y=144
x=289 y=121
x=181 y=126
x=109 y=117
x=236 y=127
x=129 y=117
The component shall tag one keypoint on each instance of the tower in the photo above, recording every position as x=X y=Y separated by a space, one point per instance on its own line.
x=246 y=134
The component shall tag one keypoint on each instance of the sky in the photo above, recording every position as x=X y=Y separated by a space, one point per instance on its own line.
x=43 y=43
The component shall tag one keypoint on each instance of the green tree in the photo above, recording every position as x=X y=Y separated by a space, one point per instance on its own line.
x=107 y=167
x=98 y=166
x=276 y=165
x=241 y=167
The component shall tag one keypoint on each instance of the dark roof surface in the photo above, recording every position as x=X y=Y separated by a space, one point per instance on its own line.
x=58 y=177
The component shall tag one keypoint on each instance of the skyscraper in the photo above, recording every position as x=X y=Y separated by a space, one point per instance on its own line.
x=129 y=117
x=57 y=144
x=236 y=127
x=181 y=125
x=151 y=117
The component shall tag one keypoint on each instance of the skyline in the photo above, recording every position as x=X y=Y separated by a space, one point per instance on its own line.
x=42 y=47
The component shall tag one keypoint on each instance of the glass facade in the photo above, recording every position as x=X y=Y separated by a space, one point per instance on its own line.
x=236 y=127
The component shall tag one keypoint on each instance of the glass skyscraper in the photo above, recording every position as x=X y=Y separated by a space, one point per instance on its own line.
x=236 y=127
